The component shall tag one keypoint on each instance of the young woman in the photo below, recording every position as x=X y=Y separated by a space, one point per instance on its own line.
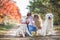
x=31 y=23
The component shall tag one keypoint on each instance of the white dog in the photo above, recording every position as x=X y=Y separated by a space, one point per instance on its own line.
x=22 y=30
x=47 y=28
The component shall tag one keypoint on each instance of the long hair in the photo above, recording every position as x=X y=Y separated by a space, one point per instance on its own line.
x=37 y=20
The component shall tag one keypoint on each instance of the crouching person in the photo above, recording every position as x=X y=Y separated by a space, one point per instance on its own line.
x=31 y=24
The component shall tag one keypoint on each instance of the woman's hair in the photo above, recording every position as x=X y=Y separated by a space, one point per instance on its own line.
x=28 y=14
x=37 y=21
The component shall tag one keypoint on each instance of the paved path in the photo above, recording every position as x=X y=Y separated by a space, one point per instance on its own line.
x=12 y=32
x=32 y=38
x=51 y=37
x=10 y=36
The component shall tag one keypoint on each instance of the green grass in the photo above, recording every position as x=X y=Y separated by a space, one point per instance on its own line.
x=57 y=27
x=5 y=27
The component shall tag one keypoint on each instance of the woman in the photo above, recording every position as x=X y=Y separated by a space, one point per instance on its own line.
x=30 y=23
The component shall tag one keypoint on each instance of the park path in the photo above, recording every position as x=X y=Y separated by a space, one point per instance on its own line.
x=10 y=35
x=12 y=32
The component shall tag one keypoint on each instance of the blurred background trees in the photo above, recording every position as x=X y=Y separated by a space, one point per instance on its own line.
x=44 y=6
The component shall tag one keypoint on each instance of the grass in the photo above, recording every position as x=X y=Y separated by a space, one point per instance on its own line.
x=57 y=27
x=9 y=26
x=5 y=27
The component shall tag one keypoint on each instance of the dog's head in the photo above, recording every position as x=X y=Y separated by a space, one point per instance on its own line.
x=49 y=16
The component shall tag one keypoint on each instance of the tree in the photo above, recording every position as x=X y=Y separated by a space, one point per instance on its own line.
x=44 y=6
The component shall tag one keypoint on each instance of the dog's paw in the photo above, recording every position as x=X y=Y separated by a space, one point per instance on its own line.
x=31 y=35
x=23 y=36
x=17 y=35
x=43 y=34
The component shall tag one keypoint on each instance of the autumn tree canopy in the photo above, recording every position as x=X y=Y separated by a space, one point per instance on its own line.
x=9 y=8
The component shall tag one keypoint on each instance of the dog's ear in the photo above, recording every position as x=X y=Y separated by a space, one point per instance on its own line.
x=52 y=14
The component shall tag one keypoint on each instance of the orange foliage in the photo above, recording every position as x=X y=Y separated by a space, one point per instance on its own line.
x=11 y=10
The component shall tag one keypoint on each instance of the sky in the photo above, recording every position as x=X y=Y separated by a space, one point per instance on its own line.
x=22 y=4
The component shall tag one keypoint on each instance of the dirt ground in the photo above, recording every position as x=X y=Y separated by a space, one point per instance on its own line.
x=9 y=35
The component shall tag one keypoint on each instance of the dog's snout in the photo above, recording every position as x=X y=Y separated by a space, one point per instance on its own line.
x=49 y=17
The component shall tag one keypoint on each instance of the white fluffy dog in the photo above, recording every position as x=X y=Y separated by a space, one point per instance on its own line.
x=22 y=30
x=47 y=28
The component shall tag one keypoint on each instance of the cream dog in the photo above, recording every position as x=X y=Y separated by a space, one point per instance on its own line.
x=47 y=28
x=22 y=30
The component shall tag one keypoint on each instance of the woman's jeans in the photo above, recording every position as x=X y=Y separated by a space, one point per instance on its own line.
x=31 y=28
